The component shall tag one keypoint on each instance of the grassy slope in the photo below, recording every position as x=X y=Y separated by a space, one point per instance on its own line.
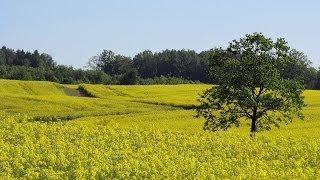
x=150 y=105
x=13 y=87
x=118 y=137
x=50 y=99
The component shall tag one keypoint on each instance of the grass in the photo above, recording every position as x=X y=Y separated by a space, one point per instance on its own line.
x=122 y=132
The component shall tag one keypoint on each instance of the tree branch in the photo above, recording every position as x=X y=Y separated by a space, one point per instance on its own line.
x=246 y=112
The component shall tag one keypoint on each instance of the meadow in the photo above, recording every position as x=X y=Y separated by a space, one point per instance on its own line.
x=51 y=131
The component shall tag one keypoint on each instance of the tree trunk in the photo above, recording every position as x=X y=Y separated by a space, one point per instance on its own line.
x=254 y=121
x=253 y=124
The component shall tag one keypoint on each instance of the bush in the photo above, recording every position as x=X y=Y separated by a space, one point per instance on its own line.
x=129 y=78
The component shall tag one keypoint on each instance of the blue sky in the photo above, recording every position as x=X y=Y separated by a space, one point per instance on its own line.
x=73 y=31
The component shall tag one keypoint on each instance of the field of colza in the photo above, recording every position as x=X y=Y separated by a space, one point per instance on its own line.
x=51 y=131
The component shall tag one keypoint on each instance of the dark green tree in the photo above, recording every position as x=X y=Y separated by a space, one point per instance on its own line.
x=298 y=67
x=146 y=64
x=317 y=83
x=129 y=78
x=35 y=59
x=110 y=63
x=249 y=85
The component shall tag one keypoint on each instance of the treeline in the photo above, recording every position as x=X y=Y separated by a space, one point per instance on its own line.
x=166 y=67
x=192 y=66
x=186 y=64
x=24 y=65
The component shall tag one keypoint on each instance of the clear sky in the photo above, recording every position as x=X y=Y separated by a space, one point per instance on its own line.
x=74 y=30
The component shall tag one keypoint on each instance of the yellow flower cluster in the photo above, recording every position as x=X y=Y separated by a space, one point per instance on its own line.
x=61 y=150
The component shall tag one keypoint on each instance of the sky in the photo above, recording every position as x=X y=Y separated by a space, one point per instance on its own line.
x=72 y=31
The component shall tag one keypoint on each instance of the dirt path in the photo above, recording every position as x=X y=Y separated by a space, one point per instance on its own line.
x=73 y=91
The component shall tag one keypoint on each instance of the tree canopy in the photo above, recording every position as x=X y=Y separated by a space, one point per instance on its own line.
x=252 y=83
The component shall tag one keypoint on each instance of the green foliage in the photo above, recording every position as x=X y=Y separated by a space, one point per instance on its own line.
x=110 y=63
x=186 y=64
x=129 y=78
x=251 y=85
x=60 y=74
x=11 y=57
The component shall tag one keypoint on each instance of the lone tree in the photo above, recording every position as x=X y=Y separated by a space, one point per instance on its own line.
x=250 y=85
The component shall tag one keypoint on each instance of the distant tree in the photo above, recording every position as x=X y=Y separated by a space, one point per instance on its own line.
x=317 y=83
x=21 y=73
x=64 y=74
x=186 y=64
x=2 y=58
x=96 y=77
x=146 y=64
x=47 y=61
x=35 y=59
x=250 y=85
x=298 y=67
x=129 y=78
x=310 y=79
x=110 y=63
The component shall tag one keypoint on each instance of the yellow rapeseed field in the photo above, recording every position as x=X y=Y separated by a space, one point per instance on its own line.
x=47 y=131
